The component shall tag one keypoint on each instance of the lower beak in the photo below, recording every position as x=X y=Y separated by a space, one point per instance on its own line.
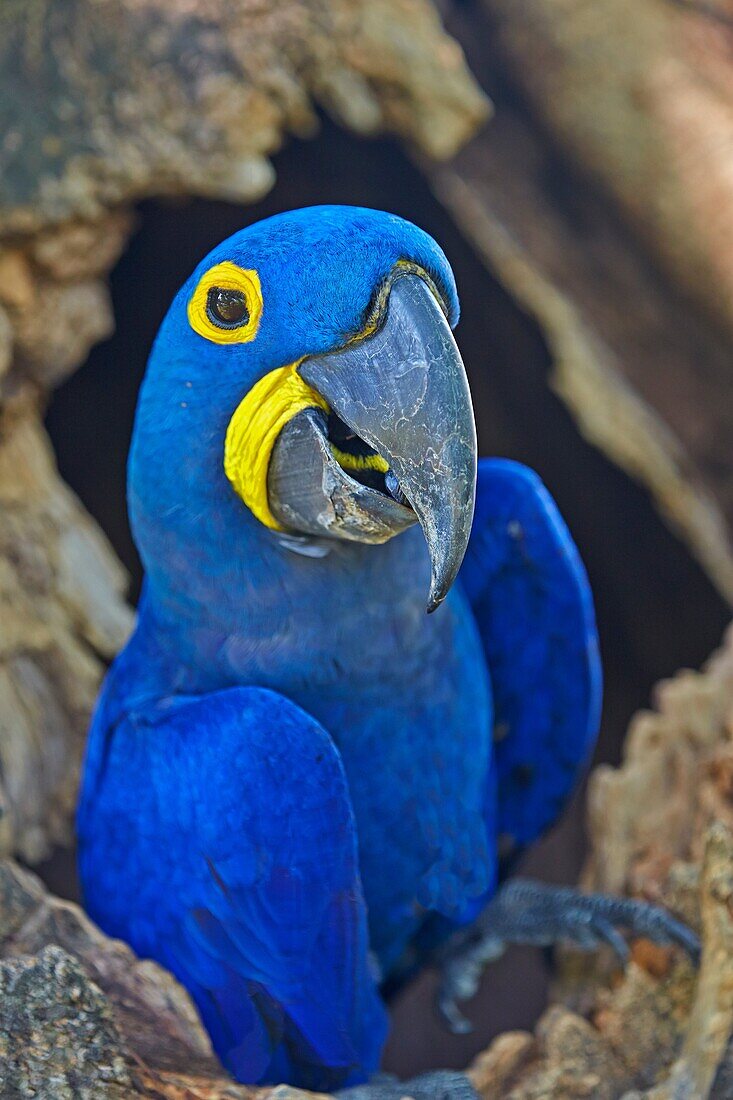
x=404 y=391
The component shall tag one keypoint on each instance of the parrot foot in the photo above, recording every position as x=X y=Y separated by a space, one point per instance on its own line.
x=527 y=912
x=441 y=1084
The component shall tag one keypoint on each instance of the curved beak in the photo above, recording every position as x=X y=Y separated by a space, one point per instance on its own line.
x=404 y=391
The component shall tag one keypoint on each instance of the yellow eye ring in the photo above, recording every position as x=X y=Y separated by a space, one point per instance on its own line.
x=232 y=284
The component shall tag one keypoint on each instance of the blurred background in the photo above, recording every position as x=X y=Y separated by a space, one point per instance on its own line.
x=573 y=160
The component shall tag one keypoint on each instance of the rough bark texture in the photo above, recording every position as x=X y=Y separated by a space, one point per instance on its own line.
x=640 y=92
x=61 y=600
x=628 y=112
x=106 y=102
x=101 y=104
x=79 y=1006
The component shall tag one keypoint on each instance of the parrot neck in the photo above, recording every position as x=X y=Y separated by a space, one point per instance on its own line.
x=262 y=613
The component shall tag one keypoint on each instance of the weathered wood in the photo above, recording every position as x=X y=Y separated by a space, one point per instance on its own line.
x=61 y=612
x=640 y=94
x=105 y=102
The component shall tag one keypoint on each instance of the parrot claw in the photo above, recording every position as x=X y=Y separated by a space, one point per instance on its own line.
x=527 y=912
x=436 y=1085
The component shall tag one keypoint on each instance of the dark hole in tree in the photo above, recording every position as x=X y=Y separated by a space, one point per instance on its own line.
x=656 y=609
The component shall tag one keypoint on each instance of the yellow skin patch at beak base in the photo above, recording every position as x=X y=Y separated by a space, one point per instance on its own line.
x=359 y=462
x=253 y=430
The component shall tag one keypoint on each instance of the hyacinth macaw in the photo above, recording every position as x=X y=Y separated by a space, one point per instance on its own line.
x=298 y=785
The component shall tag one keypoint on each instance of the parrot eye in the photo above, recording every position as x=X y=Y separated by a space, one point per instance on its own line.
x=226 y=308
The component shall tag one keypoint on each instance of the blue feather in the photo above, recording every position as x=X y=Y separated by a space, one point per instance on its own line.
x=530 y=595
x=254 y=899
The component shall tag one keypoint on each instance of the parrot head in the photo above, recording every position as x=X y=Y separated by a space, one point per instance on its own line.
x=307 y=370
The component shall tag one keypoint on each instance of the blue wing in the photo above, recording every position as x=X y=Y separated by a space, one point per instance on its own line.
x=530 y=596
x=240 y=874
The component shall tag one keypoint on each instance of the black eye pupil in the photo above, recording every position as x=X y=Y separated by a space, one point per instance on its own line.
x=226 y=308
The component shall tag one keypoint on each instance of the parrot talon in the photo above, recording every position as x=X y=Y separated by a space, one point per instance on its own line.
x=435 y=1085
x=462 y=962
x=526 y=912
x=451 y=1015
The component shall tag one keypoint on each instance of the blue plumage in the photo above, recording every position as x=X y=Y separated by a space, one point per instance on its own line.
x=230 y=854
x=530 y=598
x=292 y=771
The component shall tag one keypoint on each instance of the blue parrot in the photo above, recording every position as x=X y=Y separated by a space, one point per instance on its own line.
x=299 y=786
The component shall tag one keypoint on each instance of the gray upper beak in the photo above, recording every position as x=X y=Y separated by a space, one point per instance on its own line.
x=404 y=391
